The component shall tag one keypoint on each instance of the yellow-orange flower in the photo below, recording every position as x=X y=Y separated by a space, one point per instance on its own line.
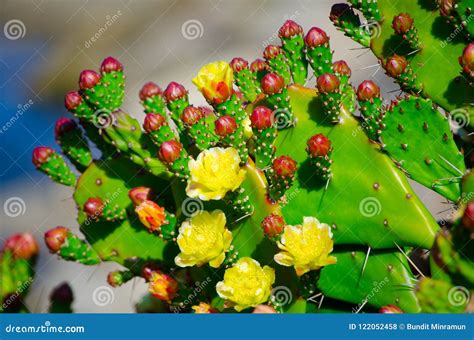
x=203 y=308
x=214 y=173
x=246 y=284
x=202 y=239
x=151 y=215
x=163 y=286
x=214 y=80
x=306 y=247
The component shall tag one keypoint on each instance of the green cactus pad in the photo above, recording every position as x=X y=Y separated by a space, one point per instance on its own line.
x=75 y=249
x=295 y=54
x=57 y=169
x=430 y=156
x=279 y=65
x=16 y=276
x=247 y=83
x=349 y=23
x=381 y=279
x=116 y=241
x=75 y=147
x=124 y=132
x=320 y=59
x=375 y=202
x=439 y=50
x=203 y=133
x=369 y=8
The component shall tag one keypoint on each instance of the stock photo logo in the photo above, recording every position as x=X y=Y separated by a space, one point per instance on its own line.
x=256 y=172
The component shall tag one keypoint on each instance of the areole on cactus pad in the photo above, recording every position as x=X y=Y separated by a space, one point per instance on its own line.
x=275 y=184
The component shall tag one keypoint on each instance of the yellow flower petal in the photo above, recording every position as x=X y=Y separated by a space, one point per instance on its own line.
x=306 y=247
x=202 y=239
x=214 y=173
x=246 y=284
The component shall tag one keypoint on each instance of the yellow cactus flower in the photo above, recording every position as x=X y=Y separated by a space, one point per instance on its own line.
x=214 y=80
x=151 y=215
x=246 y=284
x=203 y=308
x=306 y=247
x=203 y=239
x=214 y=173
x=162 y=286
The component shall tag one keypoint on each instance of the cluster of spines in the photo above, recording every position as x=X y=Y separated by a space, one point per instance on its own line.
x=62 y=241
x=245 y=79
x=369 y=9
x=404 y=26
x=371 y=108
x=319 y=149
x=399 y=67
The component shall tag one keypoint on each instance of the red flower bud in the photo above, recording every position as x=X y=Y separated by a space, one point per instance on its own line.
x=273 y=225
x=93 y=207
x=467 y=60
x=88 y=79
x=319 y=145
x=328 y=83
x=258 y=65
x=239 y=64
x=191 y=115
x=396 y=65
x=402 y=23
x=153 y=122
x=150 y=89
x=468 y=216
x=140 y=194
x=341 y=67
x=55 y=238
x=72 y=100
x=225 y=125
x=272 y=83
x=289 y=29
x=272 y=51
x=316 y=37
x=261 y=118
x=390 y=309
x=111 y=64
x=284 y=166
x=175 y=91
x=22 y=246
x=41 y=155
x=170 y=151
x=64 y=125
x=367 y=90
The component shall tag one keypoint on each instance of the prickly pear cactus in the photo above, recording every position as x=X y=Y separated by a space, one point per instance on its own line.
x=275 y=197
x=17 y=261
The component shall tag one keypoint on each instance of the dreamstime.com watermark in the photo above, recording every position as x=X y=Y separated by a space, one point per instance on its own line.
x=274 y=37
x=21 y=109
x=378 y=286
x=110 y=198
x=46 y=328
x=13 y=297
x=110 y=20
x=191 y=298
x=458 y=30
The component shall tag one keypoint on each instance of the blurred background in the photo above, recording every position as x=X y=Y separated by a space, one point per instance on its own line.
x=45 y=44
